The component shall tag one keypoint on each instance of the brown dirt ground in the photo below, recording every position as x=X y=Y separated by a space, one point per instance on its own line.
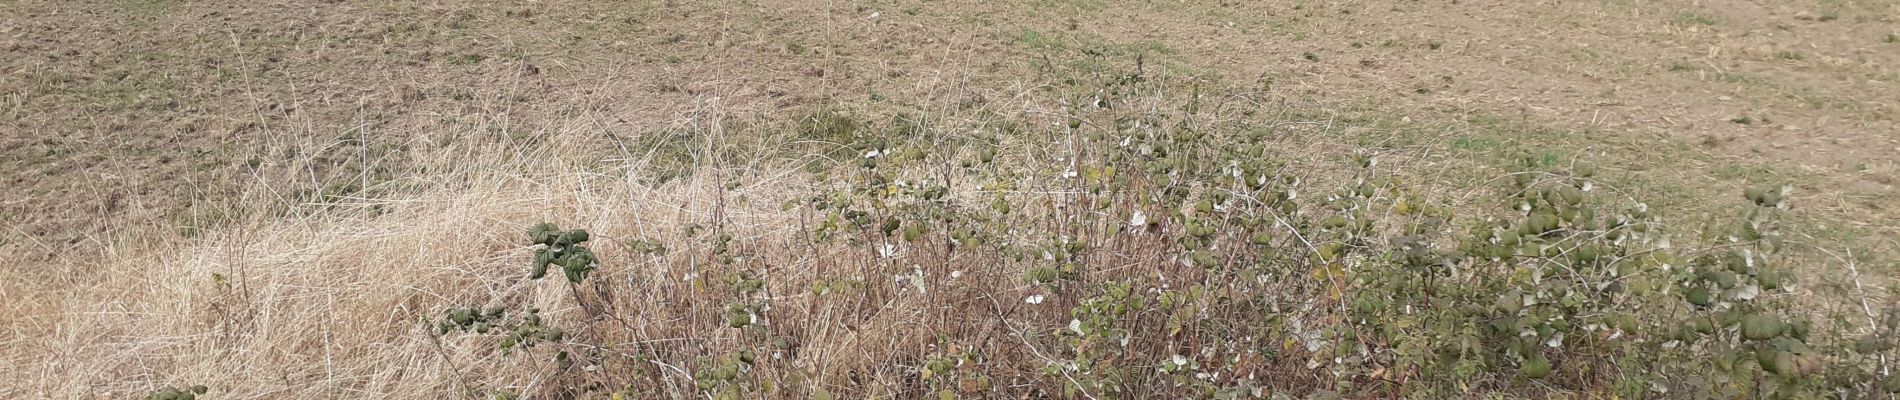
x=122 y=119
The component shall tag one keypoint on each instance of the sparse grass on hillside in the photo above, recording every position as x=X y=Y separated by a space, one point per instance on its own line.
x=1070 y=199
x=1135 y=239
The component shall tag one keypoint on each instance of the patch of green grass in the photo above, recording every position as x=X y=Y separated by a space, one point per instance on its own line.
x=828 y=134
x=908 y=126
x=118 y=88
x=1747 y=172
x=1481 y=144
x=669 y=154
x=1484 y=120
x=1071 y=5
x=1544 y=158
x=1036 y=40
x=1680 y=67
x=977 y=20
x=829 y=126
x=1146 y=47
x=147 y=7
x=1690 y=18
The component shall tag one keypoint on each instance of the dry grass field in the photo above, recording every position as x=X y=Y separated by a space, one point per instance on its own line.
x=1078 y=199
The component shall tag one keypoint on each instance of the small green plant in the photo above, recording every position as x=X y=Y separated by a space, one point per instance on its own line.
x=745 y=310
x=563 y=248
x=722 y=249
x=835 y=285
x=470 y=319
x=522 y=332
x=178 y=393
x=954 y=372
x=724 y=378
x=644 y=246
x=1878 y=346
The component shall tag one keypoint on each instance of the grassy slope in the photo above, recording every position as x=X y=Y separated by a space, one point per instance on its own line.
x=413 y=123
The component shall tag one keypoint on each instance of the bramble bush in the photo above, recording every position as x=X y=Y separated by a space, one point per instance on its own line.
x=178 y=393
x=1142 y=245
x=522 y=331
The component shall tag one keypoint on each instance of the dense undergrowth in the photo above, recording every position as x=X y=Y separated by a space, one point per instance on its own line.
x=1148 y=241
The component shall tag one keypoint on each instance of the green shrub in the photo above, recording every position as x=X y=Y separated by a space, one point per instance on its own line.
x=564 y=249
x=1182 y=252
x=178 y=393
